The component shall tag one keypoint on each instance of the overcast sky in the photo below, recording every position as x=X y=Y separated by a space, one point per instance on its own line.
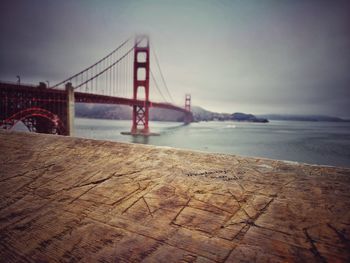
x=271 y=56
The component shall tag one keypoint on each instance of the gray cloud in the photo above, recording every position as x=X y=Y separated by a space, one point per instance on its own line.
x=255 y=56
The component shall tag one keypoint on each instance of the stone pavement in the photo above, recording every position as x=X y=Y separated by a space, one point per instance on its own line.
x=66 y=199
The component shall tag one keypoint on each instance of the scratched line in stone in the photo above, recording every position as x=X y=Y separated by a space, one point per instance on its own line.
x=92 y=201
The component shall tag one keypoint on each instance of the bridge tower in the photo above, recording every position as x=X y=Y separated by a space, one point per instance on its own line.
x=188 y=115
x=140 y=114
x=188 y=102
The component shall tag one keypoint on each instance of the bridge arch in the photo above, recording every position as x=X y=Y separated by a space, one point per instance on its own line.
x=36 y=119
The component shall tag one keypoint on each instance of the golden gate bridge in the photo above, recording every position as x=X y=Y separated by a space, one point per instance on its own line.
x=124 y=77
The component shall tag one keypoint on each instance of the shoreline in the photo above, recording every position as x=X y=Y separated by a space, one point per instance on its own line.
x=199 y=151
x=196 y=150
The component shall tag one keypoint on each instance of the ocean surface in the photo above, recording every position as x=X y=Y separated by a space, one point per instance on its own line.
x=326 y=143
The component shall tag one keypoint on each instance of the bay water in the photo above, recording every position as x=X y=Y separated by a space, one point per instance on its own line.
x=326 y=143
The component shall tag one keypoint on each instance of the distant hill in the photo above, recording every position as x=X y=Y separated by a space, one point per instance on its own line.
x=102 y=111
x=121 y=112
x=290 y=117
x=201 y=114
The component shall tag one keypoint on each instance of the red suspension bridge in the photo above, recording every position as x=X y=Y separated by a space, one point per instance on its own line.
x=122 y=77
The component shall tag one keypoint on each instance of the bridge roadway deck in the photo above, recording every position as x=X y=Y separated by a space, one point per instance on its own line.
x=69 y=199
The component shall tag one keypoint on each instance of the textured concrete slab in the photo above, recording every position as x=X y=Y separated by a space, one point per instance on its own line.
x=67 y=199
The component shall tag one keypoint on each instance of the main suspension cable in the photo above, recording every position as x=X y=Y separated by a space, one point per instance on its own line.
x=155 y=83
x=110 y=66
x=83 y=71
x=162 y=76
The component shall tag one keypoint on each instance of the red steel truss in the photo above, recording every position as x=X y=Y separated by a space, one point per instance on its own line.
x=45 y=109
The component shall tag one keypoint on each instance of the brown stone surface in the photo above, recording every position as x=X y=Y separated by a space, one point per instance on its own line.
x=67 y=199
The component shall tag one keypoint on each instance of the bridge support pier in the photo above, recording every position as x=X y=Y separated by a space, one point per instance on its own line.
x=70 y=109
